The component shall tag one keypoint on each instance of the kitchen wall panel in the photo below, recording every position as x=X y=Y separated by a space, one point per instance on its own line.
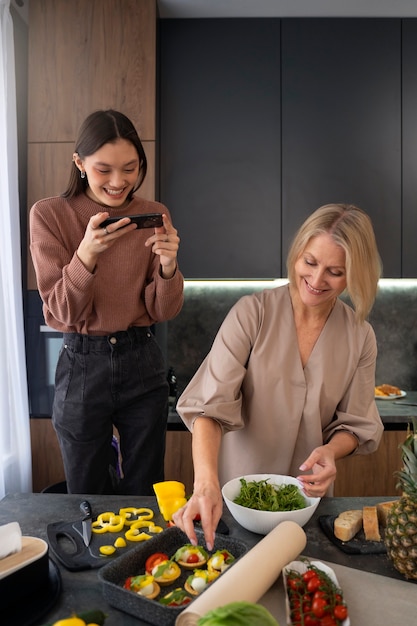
x=220 y=144
x=262 y=121
x=86 y=55
x=341 y=123
x=409 y=80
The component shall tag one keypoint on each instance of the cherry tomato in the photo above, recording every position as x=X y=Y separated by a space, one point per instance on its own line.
x=320 y=594
x=310 y=620
x=328 y=620
x=319 y=607
x=340 y=612
x=313 y=584
x=153 y=560
x=310 y=573
x=193 y=558
x=127 y=582
x=295 y=583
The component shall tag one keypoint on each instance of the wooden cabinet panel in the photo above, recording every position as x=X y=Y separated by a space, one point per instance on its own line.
x=371 y=474
x=341 y=123
x=86 y=55
x=178 y=459
x=47 y=466
x=48 y=469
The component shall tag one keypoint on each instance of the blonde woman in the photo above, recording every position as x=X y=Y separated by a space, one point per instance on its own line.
x=288 y=386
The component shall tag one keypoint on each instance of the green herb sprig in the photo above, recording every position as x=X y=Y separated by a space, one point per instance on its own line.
x=263 y=496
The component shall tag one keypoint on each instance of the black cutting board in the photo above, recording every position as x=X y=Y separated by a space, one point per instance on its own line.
x=357 y=545
x=66 y=542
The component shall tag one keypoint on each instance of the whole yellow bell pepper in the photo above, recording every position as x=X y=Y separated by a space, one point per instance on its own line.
x=170 y=495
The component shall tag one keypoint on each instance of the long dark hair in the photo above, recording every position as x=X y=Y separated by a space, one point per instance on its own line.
x=99 y=128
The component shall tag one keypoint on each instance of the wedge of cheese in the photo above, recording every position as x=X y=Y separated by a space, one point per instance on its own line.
x=348 y=524
x=370 y=523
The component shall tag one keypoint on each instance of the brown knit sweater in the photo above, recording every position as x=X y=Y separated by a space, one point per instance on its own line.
x=125 y=289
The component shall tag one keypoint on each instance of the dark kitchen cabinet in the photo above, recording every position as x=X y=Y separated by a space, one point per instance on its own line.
x=409 y=80
x=341 y=123
x=262 y=121
x=220 y=144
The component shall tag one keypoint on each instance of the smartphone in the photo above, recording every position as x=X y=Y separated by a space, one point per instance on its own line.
x=146 y=220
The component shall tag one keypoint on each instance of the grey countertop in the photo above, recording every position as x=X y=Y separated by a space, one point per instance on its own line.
x=395 y=414
x=82 y=590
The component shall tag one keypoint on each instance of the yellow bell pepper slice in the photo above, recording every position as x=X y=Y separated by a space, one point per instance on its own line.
x=132 y=514
x=155 y=529
x=120 y=543
x=170 y=496
x=107 y=550
x=108 y=522
x=134 y=534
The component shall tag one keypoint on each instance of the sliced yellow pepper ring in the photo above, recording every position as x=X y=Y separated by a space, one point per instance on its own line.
x=142 y=524
x=108 y=522
x=155 y=529
x=107 y=550
x=131 y=514
x=134 y=534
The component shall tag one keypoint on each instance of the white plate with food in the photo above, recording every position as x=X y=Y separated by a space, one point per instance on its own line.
x=393 y=396
x=294 y=574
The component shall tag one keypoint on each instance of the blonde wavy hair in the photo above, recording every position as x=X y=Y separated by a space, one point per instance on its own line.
x=351 y=229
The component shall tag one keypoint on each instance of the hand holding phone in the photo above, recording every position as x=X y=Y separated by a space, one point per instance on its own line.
x=146 y=220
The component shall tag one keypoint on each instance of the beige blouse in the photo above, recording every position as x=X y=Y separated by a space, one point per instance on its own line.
x=274 y=412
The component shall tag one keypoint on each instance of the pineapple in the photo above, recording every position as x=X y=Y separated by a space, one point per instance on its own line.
x=401 y=529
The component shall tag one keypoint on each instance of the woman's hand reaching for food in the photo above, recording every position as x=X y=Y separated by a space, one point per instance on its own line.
x=205 y=504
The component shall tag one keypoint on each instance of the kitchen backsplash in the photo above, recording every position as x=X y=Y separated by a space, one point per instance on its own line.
x=394 y=318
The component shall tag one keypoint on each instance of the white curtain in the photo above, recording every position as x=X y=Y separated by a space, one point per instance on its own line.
x=15 y=451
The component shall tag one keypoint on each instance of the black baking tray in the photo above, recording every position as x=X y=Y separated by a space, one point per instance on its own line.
x=357 y=545
x=113 y=575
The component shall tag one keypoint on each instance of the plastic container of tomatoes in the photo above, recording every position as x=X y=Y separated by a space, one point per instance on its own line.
x=114 y=575
x=309 y=595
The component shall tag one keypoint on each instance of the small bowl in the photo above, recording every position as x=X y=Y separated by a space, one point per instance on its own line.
x=262 y=522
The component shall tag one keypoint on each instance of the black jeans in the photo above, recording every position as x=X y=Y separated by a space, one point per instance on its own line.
x=115 y=380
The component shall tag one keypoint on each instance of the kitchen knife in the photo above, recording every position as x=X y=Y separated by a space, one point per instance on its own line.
x=405 y=403
x=86 y=521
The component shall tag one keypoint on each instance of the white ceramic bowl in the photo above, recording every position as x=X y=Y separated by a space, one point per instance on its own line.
x=262 y=522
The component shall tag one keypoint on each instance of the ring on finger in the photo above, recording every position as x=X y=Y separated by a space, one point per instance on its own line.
x=106 y=231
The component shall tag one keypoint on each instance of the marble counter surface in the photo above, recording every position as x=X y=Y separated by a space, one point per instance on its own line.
x=82 y=590
x=395 y=414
